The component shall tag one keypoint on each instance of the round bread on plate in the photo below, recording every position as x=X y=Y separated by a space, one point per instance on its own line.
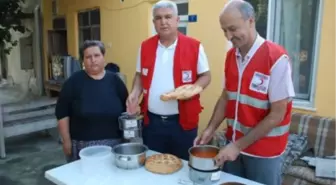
x=163 y=163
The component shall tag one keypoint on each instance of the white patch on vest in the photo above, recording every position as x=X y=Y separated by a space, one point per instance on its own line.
x=186 y=76
x=144 y=71
x=260 y=82
x=145 y=91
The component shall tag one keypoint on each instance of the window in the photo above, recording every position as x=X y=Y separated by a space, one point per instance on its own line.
x=294 y=25
x=54 y=8
x=183 y=11
x=89 y=25
x=59 y=23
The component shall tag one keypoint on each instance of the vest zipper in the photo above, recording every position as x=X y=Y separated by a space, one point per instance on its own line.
x=240 y=76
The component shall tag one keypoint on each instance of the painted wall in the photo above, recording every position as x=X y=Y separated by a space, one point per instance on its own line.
x=125 y=25
x=15 y=74
x=325 y=82
x=24 y=79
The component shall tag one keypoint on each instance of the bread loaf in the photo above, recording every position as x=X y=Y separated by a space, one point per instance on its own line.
x=182 y=92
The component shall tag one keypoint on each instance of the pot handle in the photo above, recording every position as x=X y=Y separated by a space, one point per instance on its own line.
x=124 y=158
x=215 y=164
x=214 y=161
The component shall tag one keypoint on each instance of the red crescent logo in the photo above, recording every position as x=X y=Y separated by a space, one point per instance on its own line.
x=262 y=81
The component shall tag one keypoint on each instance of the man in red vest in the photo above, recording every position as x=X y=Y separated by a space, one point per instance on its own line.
x=256 y=100
x=167 y=61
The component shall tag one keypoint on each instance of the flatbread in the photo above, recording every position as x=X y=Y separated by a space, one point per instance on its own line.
x=182 y=92
x=163 y=163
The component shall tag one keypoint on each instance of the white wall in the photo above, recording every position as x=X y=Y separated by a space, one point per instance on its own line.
x=15 y=74
x=25 y=79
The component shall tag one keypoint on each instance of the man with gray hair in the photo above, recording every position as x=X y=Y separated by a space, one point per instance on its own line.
x=255 y=101
x=166 y=61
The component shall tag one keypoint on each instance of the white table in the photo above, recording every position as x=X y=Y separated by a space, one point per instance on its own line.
x=71 y=174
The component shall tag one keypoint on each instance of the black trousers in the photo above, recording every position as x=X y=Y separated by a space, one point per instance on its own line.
x=164 y=134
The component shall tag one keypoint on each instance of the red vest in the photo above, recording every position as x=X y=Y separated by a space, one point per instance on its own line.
x=185 y=59
x=253 y=103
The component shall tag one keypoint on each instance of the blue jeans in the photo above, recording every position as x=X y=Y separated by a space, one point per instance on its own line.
x=164 y=134
x=263 y=170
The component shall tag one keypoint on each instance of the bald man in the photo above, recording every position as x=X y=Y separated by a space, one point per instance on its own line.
x=255 y=101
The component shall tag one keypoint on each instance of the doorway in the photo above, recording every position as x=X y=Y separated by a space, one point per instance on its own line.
x=3 y=64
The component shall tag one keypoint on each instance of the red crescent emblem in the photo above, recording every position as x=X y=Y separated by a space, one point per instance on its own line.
x=261 y=81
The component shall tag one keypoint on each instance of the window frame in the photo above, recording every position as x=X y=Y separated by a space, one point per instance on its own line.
x=184 y=25
x=273 y=22
x=90 y=26
x=54 y=8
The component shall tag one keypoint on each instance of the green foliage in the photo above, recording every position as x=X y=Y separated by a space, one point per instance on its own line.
x=10 y=19
x=260 y=7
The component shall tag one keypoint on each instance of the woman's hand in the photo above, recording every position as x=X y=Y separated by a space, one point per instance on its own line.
x=67 y=148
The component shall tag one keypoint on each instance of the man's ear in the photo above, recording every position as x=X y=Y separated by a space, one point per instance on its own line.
x=251 y=22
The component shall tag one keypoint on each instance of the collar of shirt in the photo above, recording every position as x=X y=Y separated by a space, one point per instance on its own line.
x=256 y=45
x=169 y=47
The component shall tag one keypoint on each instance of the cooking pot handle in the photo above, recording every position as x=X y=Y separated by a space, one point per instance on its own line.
x=215 y=164
x=124 y=158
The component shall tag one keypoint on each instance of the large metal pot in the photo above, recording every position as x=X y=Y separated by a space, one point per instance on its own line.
x=130 y=155
x=202 y=165
x=202 y=157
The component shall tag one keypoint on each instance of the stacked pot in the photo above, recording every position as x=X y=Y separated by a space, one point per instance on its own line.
x=202 y=165
x=131 y=125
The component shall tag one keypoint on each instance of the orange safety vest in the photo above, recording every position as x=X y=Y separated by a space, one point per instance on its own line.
x=250 y=96
x=185 y=62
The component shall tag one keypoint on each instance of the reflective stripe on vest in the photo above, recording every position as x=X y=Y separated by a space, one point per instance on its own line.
x=277 y=131
x=244 y=99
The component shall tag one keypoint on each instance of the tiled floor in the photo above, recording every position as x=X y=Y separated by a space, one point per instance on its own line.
x=28 y=157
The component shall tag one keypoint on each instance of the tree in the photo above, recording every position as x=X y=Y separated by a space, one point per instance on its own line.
x=11 y=16
x=260 y=7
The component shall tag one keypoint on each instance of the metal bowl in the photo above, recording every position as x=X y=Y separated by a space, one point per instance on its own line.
x=203 y=163
x=130 y=155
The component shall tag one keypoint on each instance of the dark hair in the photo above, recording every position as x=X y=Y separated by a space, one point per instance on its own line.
x=89 y=44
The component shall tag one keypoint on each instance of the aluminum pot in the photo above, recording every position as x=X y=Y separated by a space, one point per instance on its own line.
x=202 y=157
x=204 y=177
x=129 y=134
x=130 y=155
x=130 y=122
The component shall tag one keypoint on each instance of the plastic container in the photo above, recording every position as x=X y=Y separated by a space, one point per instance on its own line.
x=96 y=159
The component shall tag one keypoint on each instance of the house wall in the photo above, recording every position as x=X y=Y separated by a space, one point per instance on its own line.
x=24 y=80
x=15 y=74
x=125 y=25
x=325 y=77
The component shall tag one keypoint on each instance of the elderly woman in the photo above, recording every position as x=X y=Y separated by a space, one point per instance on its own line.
x=90 y=103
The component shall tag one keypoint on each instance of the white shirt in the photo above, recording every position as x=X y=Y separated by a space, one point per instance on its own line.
x=163 y=81
x=281 y=83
